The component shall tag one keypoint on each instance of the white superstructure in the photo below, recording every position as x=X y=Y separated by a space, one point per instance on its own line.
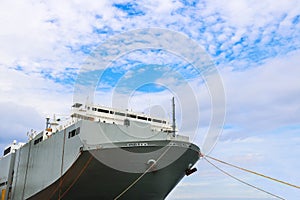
x=116 y=116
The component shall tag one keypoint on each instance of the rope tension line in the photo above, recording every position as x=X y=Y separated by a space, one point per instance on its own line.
x=241 y=181
x=253 y=172
x=142 y=175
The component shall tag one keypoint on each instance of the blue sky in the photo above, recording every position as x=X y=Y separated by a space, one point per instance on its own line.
x=254 y=45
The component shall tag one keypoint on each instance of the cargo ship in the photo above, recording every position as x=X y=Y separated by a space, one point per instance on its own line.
x=98 y=153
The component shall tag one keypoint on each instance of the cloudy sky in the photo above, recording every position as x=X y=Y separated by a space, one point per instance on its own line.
x=253 y=44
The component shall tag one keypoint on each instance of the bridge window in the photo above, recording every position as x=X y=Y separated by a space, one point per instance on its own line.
x=7 y=151
x=142 y=118
x=120 y=113
x=74 y=132
x=131 y=115
x=156 y=120
x=103 y=110
x=38 y=140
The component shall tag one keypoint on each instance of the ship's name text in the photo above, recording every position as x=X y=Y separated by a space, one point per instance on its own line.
x=140 y=144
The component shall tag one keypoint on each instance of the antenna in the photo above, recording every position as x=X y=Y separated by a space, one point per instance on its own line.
x=174 y=119
x=47 y=122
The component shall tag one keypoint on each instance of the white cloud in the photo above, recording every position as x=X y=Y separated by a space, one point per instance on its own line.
x=244 y=13
x=16 y=121
x=265 y=97
x=48 y=37
x=34 y=91
x=162 y=7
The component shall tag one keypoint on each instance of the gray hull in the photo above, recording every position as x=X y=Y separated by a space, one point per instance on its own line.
x=89 y=178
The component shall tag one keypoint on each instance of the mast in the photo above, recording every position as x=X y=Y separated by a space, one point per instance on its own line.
x=47 y=122
x=174 y=119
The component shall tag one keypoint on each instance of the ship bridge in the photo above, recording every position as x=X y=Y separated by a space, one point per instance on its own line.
x=116 y=116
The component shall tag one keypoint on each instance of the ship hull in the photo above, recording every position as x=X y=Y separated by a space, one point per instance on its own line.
x=105 y=174
x=97 y=160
